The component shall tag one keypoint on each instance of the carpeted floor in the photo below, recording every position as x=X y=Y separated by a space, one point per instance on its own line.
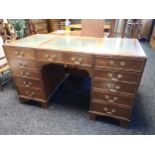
x=68 y=109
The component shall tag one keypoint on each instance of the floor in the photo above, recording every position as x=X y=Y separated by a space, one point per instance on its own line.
x=68 y=110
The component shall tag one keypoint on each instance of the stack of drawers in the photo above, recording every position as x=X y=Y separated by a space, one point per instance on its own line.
x=25 y=73
x=41 y=25
x=114 y=85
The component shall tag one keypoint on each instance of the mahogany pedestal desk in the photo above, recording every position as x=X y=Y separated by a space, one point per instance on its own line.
x=115 y=66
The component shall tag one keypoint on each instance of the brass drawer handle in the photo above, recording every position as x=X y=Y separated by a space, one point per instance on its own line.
x=72 y=58
x=25 y=74
x=111 y=100
x=16 y=52
x=122 y=63
x=51 y=58
x=117 y=87
x=119 y=76
x=76 y=62
x=27 y=84
x=109 y=112
x=22 y=65
x=111 y=62
x=19 y=54
x=46 y=56
x=113 y=90
x=31 y=94
x=110 y=75
x=22 y=73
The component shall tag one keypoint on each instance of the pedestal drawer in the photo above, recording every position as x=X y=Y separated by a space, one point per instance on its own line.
x=111 y=110
x=117 y=75
x=23 y=64
x=25 y=73
x=31 y=93
x=115 y=86
x=110 y=97
x=28 y=83
x=21 y=53
x=119 y=63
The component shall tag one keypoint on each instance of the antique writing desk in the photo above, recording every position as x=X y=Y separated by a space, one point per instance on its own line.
x=115 y=66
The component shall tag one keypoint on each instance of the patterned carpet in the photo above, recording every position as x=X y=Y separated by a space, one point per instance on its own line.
x=68 y=111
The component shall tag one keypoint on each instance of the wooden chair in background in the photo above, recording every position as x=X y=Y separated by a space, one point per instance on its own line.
x=92 y=28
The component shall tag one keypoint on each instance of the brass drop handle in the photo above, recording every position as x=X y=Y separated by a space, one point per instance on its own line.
x=111 y=100
x=111 y=62
x=22 y=73
x=46 y=56
x=117 y=87
x=110 y=75
x=109 y=112
x=22 y=65
x=72 y=59
x=25 y=74
x=22 y=53
x=119 y=76
x=30 y=93
x=16 y=53
x=122 y=63
x=53 y=56
x=27 y=84
x=76 y=62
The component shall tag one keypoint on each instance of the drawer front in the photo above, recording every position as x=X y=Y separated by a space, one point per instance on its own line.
x=23 y=64
x=50 y=56
x=20 y=53
x=115 y=86
x=25 y=73
x=109 y=97
x=40 y=26
x=72 y=59
x=28 y=83
x=31 y=93
x=111 y=110
x=124 y=64
x=117 y=75
x=81 y=60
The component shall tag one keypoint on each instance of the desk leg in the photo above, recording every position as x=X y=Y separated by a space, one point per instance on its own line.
x=44 y=105
x=124 y=124
x=92 y=116
x=22 y=100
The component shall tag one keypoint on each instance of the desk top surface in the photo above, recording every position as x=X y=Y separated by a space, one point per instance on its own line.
x=89 y=45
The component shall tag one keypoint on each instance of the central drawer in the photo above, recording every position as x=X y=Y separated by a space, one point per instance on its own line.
x=25 y=73
x=115 y=86
x=28 y=83
x=21 y=53
x=31 y=93
x=78 y=59
x=65 y=58
x=119 y=63
x=117 y=75
x=110 y=97
x=111 y=110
